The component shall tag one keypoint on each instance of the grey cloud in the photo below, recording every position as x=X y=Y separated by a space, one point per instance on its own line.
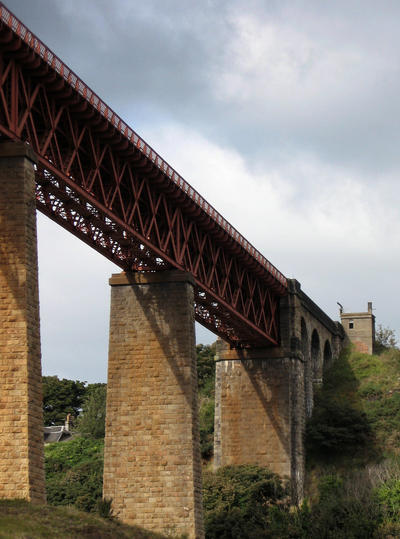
x=303 y=81
x=154 y=61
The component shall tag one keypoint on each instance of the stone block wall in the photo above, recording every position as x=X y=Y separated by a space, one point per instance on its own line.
x=259 y=416
x=264 y=395
x=21 y=417
x=152 y=464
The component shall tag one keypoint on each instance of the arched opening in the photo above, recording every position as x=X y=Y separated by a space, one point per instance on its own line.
x=308 y=375
x=327 y=355
x=316 y=357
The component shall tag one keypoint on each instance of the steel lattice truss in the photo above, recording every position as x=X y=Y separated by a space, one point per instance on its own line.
x=98 y=179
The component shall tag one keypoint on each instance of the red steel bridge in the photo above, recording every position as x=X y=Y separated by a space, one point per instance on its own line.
x=101 y=181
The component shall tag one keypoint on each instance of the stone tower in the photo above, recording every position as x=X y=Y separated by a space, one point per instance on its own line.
x=360 y=329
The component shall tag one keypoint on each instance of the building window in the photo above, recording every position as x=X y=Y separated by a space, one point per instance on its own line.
x=351 y=324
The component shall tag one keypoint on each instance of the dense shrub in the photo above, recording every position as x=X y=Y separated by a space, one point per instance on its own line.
x=336 y=427
x=370 y=391
x=206 y=380
x=343 y=518
x=338 y=515
x=388 y=495
x=74 y=473
x=206 y=421
x=205 y=368
x=385 y=413
x=249 y=502
x=238 y=501
x=385 y=338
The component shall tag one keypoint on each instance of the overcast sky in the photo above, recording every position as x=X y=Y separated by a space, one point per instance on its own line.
x=285 y=115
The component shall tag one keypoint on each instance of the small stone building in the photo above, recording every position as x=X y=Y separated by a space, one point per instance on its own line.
x=360 y=329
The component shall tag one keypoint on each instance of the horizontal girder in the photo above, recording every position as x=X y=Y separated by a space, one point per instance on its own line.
x=98 y=179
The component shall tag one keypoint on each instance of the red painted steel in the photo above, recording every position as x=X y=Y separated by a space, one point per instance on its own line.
x=98 y=179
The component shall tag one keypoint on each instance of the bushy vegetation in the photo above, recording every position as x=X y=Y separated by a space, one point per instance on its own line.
x=385 y=339
x=353 y=447
x=206 y=381
x=250 y=502
x=357 y=410
x=353 y=461
x=92 y=420
x=63 y=397
x=337 y=427
x=74 y=473
x=239 y=501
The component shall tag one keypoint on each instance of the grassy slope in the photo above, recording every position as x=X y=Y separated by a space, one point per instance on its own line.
x=20 y=519
x=378 y=393
x=369 y=385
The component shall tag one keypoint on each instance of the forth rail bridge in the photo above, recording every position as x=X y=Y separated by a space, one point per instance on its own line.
x=66 y=153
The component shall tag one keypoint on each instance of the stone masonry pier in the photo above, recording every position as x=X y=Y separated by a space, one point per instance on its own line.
x=260 y=411
x=152 y=466
x=21 y=417
x=263 y=395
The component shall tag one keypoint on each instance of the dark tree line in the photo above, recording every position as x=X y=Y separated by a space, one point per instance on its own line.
x=86 y=404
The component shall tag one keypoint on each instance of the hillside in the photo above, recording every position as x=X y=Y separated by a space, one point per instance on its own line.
x=356 y=417
x=353 y=465
x=22 y=520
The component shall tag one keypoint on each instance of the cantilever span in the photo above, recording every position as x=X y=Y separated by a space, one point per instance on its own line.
x=101 y=181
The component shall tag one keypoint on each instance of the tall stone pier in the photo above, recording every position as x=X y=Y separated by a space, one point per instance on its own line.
x=21 y=416
x=259 y=412
x=262 y=395
x=152 y=465
x=260 y=401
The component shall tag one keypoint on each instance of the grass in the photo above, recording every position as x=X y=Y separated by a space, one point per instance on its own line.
x=22 y=520
x=368 y=385
x=379 y=396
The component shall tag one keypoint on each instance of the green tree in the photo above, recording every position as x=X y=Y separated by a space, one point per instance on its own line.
x=206 y=378
x=61 y=397
x=205 y=367
x=91 y=422
x=385 y=338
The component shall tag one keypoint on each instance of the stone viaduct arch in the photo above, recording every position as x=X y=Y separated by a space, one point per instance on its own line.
x=316 y=357
x=327 y=355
